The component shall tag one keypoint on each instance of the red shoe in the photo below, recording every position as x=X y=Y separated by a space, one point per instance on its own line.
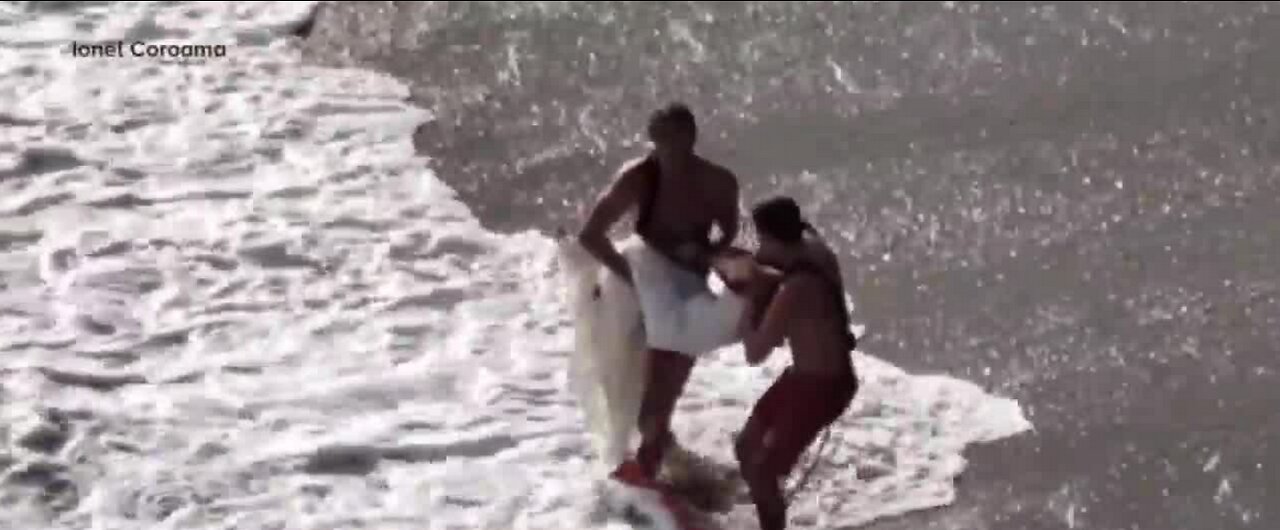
x=630 y=472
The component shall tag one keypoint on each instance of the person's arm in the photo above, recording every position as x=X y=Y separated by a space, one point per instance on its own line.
x=609 y=208
x=727 y=217
x=735 y=268
x=760 y=341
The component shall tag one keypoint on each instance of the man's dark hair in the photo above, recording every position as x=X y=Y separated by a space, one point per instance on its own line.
x=675 y=113
x=780 y=218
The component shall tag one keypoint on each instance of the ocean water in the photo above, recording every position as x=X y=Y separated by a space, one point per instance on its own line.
x=1067 y=203
x=236 y=296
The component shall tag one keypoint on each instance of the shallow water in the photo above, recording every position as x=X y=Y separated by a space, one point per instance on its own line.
x=235 y=297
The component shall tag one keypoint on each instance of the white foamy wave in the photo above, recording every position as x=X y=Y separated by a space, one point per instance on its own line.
x=234 y=299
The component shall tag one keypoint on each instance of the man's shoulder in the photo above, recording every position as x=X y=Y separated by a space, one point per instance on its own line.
x=717 y=169
x=805 y=287
x=797 y=290
x=631 y=172
x=639 y=164
x=719 y=174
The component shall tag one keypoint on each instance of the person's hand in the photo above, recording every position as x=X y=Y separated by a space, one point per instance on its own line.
x=766 y=272
x=722 y=262
x=727 y=255
x=737 y=272
x=623 y=271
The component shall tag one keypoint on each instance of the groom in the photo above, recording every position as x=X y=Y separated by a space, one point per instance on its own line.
x=678 y=196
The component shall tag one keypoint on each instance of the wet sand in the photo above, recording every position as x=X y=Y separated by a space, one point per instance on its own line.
x=1073 y=205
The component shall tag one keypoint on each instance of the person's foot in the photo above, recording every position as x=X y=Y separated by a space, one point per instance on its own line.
x=631 y=472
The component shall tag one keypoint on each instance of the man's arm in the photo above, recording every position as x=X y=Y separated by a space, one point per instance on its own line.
x=727 y=217
x=609 y=208
x=735 y=269
x=759 y=341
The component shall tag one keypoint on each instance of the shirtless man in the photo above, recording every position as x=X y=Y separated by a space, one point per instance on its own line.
x=678 y=196
x=808 y=311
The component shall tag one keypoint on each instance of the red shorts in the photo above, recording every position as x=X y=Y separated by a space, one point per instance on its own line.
x=790 y=415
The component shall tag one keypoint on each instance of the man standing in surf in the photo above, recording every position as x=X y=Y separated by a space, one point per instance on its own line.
x=678 y=196
x=808 y=311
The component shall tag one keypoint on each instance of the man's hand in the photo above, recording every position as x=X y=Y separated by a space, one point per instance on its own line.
x=623 y=270
x=734 y=270
x=740 y=272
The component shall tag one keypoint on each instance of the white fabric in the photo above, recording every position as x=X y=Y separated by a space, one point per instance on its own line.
x=681 y=313
x=609 y=366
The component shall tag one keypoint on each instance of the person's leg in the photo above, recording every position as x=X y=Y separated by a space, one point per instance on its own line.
x=750 y=441
x=815 y=403
x=668 y=373
x=752 y=447
x=809 y=405
x=766 y=494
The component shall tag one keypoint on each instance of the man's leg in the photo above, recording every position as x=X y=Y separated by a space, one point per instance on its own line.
x=800 y=407
x=766 y=494
x=668 y=373
x=752 y=448
x=749 y=444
